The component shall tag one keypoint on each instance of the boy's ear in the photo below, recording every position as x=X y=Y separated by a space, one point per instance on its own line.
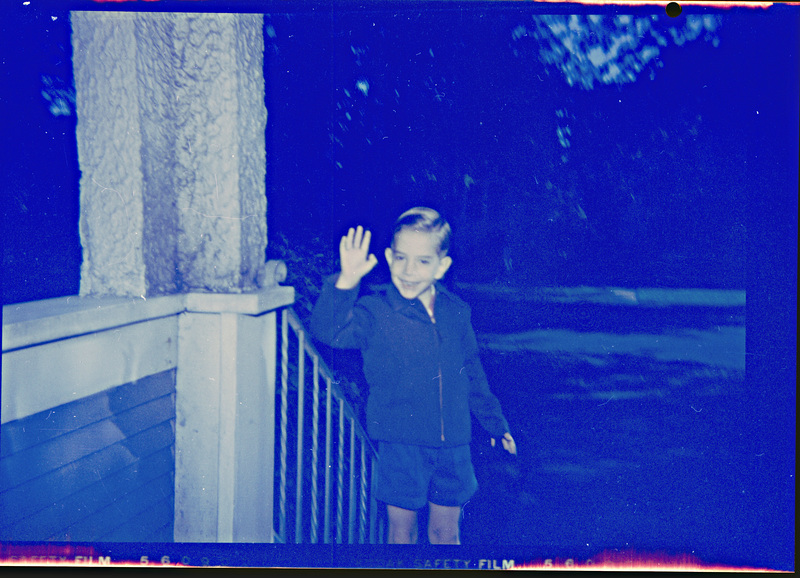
x=388 y=255
x=444 y=265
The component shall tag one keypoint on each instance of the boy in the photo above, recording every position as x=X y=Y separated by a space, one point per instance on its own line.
x=425 y=377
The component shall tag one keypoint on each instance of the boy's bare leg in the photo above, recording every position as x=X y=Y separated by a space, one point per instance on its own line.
x=443 y=524
x=402 y=525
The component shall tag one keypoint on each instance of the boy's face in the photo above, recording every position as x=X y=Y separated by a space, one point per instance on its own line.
x=415 y=263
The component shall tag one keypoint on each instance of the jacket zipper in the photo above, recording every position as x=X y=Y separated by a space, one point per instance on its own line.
x=441 y=393
x=438 y=353
x=441 y=403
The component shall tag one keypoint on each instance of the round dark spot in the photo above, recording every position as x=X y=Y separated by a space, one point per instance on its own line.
x=673 y=9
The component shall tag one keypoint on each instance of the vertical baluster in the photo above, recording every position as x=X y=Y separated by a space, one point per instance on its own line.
x=373 y=505
x=351 y=517
x=362 y=505
x=315 y=453
x=301 y=379
x=284 y=419
x=328 y=416
x=340 y=475
x=381 y=529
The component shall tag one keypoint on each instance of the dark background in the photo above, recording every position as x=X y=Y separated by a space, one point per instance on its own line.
x=653 y=192
x=686 y=178
x=654 y=189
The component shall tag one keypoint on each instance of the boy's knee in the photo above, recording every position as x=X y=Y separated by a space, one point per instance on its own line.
x=443 y=525
x=443 y=534
x=443 y=531
x=402 y=526
x=402 y=533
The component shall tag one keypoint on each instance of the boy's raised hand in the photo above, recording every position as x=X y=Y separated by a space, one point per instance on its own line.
x=355 y=258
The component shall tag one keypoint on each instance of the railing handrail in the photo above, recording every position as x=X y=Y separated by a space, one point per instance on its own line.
x=39 y=322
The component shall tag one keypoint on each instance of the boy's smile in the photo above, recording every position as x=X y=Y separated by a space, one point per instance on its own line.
x=415 y=263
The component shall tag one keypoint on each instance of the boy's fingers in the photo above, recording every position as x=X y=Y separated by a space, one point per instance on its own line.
x=509 y=444
x=358 y=239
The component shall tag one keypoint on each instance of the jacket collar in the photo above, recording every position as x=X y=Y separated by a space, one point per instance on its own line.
x=401 y=304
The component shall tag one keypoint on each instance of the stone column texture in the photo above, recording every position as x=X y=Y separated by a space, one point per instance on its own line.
x=171 y=129
x=109 y=145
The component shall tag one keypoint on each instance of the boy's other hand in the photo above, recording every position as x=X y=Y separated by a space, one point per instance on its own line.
x=355 y=258
x=508 y=443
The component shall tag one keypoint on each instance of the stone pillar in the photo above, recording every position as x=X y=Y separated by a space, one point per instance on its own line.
x=171 y=122
x=171 y=146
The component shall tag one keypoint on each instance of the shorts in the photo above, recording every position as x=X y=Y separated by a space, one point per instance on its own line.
x=410 y=476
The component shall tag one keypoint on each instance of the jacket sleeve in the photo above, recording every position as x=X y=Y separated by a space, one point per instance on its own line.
x=482 y=402
x=337 y=319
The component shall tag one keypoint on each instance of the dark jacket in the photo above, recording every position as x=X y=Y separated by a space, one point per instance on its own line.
x=424 y=378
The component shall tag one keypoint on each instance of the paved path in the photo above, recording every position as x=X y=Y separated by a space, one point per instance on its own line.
x=629 y=441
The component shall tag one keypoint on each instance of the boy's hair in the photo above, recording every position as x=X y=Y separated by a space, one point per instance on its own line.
x=425 y=220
